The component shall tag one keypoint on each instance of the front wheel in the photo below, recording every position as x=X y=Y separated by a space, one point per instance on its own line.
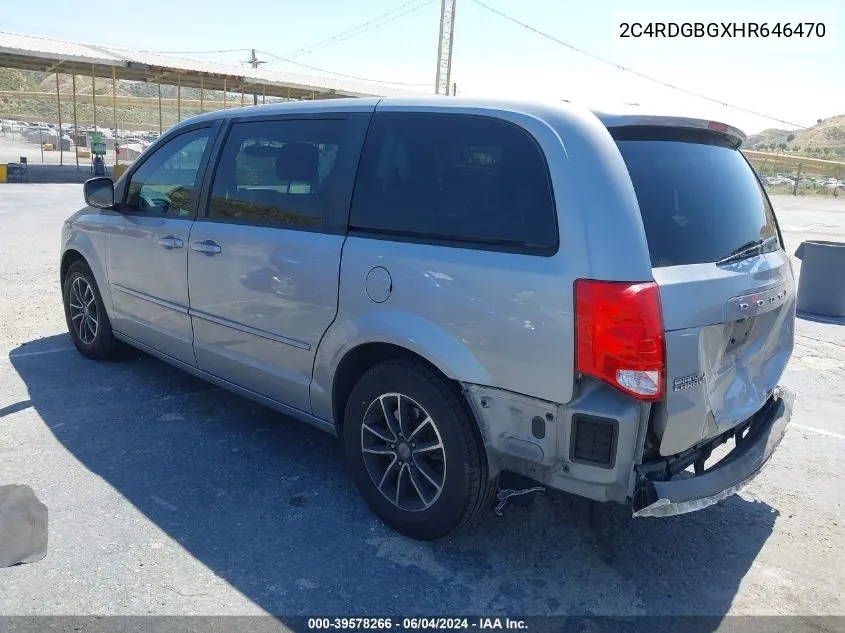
x=414 y=451
x=86 y=317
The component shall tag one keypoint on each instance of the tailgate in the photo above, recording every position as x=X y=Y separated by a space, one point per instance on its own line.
x=729 y=336
x=726 y=284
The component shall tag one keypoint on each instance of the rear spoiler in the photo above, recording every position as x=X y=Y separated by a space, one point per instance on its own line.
x=734 y=135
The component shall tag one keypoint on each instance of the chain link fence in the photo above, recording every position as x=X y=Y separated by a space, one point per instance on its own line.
x=794 y=175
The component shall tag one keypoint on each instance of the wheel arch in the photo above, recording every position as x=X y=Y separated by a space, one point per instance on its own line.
x=70 y=256
x=379 y=334
x=358 y=360
x=80 y=247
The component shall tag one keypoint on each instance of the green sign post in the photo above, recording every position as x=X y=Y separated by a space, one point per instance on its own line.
x=98 y=147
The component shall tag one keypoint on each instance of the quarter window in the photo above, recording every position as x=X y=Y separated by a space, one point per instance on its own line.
x=456 y=178
x=165 y=183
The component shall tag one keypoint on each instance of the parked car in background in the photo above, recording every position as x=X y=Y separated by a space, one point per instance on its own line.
x=779 y=180
x=133 y=141
x=456 y=288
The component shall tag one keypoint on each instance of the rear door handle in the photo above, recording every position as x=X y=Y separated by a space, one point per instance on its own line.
x=209 y=247
x=171 y=242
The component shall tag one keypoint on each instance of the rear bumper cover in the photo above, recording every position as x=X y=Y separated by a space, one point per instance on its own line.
x=726 y=477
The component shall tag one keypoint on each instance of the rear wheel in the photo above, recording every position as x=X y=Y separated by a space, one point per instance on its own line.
x=414 y=451
x=86 y=317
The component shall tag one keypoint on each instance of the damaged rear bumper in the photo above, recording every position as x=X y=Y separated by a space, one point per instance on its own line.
x=762 y=435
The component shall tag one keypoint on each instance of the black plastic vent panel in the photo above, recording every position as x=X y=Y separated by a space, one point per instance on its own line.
x=594 y=440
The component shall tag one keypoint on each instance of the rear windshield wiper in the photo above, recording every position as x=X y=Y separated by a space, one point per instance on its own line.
x=749 y=249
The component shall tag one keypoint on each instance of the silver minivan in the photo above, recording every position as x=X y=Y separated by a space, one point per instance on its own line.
x=458 y=288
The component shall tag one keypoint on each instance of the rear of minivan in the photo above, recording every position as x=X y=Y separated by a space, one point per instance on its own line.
x=608 y=294
x=707 y=340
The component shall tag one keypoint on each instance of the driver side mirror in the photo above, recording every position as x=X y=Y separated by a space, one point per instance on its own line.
x=99 y=193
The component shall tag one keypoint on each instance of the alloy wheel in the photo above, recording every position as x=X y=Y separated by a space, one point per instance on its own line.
x=403 y=452
x=83 y=310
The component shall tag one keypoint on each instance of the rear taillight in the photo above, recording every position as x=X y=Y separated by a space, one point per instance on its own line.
x=619 y=336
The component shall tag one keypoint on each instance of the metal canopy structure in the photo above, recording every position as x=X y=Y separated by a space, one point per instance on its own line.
x=27 y=52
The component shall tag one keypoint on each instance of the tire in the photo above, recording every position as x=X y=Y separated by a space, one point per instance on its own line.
x=459 y=466
x=97 y=343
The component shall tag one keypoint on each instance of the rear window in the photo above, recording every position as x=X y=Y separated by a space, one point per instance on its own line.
x=699 y=199
x=455 y=179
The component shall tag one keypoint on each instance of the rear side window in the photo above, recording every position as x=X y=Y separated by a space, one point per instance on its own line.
x=279 y=172
x=698 y=197
x=455 y=179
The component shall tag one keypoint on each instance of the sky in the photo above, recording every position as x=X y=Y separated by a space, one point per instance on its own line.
x=797 y=80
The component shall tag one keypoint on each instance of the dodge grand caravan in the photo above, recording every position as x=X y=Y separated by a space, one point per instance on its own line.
x=457 y=288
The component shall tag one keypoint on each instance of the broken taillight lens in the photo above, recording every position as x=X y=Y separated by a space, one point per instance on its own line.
x=619 y=336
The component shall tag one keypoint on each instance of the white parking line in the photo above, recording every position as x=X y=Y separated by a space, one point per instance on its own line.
x=838 y=436
x=46 y=351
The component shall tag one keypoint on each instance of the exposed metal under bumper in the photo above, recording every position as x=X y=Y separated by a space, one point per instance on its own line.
x=726 y=477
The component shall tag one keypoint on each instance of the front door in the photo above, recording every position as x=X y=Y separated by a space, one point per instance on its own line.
x=147 y=245
x=264 y=260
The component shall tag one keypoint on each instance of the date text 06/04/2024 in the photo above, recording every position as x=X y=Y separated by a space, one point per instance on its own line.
x=416 y=624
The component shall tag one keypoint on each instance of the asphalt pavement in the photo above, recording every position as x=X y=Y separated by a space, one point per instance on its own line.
x=170 y=496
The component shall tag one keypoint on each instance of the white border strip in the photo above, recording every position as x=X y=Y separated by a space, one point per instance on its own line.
x=838 y=436
x=46 y=351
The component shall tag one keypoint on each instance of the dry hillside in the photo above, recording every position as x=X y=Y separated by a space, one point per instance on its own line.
x=36 y=100
x=826 y=139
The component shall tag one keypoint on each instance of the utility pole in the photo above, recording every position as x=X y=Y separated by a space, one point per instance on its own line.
x=254 y=62
x=445 y=43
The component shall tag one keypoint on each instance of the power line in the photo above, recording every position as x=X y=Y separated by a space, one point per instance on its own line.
x=253 y=62
x=304 y=49
x=227 y=50
x=629 y=70
x=331 y=72
x=354 y=31
x=373 y=23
